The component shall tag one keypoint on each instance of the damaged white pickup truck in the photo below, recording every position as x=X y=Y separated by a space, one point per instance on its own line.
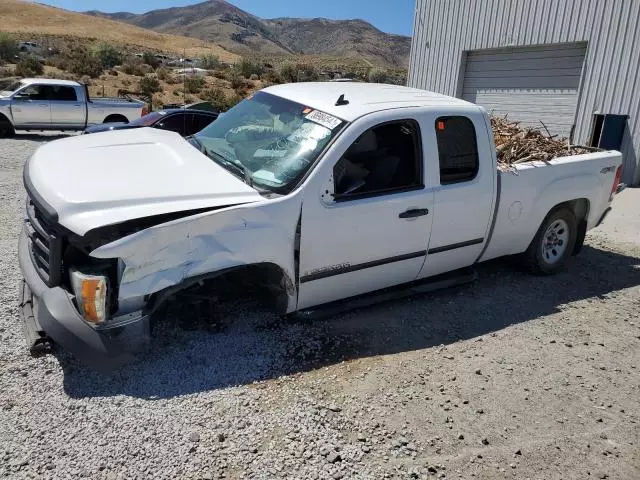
x=323 y=190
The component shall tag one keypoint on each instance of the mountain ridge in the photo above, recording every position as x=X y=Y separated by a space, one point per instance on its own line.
x=232 y=28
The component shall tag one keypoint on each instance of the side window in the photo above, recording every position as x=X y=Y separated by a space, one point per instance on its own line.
x=34 y=92
x=176 y=123
x=384 y=159
x=457 y=149
x=201 y=121
x=63 y=94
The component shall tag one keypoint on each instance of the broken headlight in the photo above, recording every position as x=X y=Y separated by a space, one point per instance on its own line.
x=91 y=293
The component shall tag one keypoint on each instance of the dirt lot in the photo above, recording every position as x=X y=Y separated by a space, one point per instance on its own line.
x=510 y=377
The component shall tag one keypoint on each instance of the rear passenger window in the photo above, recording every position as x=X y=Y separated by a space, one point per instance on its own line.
x=457 y=149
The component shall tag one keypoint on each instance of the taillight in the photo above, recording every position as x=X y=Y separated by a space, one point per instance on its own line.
x=145 y=110
x=616 y=183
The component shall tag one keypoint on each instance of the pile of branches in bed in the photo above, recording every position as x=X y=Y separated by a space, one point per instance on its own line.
x=516 y=144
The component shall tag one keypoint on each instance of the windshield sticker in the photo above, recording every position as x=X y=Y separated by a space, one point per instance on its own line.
x=324 y=119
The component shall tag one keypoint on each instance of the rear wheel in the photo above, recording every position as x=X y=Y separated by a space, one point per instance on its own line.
x=116 y=119
x=6 y=129
x=553 y=244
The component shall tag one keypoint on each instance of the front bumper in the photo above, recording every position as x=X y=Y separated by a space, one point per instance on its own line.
x=50 y=312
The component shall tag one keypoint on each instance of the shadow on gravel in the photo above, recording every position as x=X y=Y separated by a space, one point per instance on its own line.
x=256 y=346
x=41 y=138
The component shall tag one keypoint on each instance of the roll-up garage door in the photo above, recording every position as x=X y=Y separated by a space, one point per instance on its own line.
x=529 y=84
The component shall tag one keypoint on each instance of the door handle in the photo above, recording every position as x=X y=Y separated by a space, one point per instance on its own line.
x=43 y=105
x=415 y=212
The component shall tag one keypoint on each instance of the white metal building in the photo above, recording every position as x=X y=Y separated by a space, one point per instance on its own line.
x=553 y=61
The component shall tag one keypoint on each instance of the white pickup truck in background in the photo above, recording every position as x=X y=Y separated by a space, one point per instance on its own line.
x=318 y=191
x=45 y=104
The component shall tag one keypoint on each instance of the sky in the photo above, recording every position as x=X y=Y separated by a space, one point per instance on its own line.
x=392 y=16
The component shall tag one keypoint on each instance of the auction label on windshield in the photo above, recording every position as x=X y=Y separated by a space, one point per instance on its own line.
x=324 y=119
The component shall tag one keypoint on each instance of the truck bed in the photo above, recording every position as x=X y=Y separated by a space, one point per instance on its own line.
x=528 y=191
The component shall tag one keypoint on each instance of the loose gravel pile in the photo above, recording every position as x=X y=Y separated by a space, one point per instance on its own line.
x=509 y=377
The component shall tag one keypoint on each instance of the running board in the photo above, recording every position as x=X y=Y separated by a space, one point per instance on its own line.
x=439 y=282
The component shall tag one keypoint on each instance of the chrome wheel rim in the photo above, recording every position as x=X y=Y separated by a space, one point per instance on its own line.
x=555 y=241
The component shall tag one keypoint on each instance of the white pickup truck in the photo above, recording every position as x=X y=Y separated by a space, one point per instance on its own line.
x=321 y=191
x=45 y=104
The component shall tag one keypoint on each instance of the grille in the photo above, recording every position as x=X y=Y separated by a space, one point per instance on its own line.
x=45 y=246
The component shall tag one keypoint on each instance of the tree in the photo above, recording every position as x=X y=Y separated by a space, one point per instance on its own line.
x=29 y=67
x=149 y=85
x=8 y=47
x=108 y=55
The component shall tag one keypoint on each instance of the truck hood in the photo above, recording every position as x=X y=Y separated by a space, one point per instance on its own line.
x=91 y=181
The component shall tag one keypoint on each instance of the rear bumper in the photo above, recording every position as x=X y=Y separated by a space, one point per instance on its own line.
x=50 y=312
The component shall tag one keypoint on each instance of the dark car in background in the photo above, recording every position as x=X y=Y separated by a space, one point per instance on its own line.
x=183 y=121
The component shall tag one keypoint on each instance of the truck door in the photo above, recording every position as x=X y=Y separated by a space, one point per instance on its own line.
x=465 y=190
x=67 y=110
x=366 y=214
x=30 y=107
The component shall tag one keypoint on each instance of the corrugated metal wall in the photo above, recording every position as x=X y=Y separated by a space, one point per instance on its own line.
x=444 y=30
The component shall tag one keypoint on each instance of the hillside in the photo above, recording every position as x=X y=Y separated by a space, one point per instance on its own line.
x=25 y=18
x=219 y=22
x=348 y=38
x=214 y=21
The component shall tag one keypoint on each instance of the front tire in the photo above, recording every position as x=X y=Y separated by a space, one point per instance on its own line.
x=553 y=244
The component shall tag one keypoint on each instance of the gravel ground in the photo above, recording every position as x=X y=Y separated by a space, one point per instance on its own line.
x=510 y=377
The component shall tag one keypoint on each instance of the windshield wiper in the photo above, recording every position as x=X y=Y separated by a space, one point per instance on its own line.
x=237 y=166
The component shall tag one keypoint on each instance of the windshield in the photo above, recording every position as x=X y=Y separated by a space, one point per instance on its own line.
x=147 y=120
x=7 y=89
x=271 y=140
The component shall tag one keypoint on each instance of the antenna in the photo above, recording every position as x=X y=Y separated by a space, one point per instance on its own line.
x=341 y=101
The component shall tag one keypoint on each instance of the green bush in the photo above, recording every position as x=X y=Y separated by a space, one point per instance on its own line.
x=163 y=73
x=6 y=72
x=82 y=62
x=378 y=75
x=234 y=100
x=271 y=76
x=150 y=59
x=288 y=72
x=193 y=84
x=298 y=72
x=210 y=62
x=133 y=66
x=246 y=68
x=149 y=85
x=216 y=97
x=109 y=55
x=238 y=82
x=8 y=47
x=29 y=67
